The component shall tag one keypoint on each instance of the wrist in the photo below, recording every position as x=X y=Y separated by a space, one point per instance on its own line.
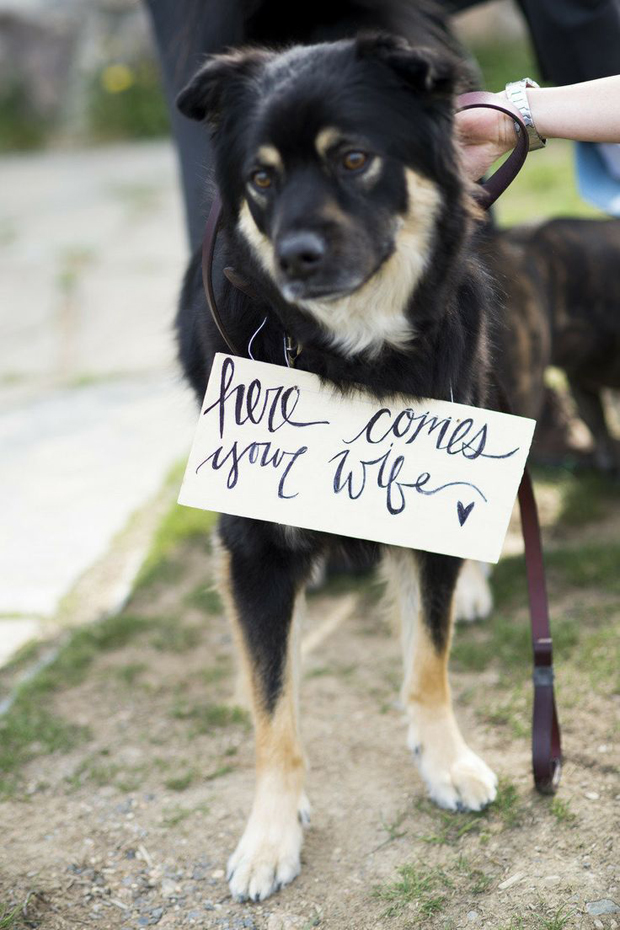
x=518 y=94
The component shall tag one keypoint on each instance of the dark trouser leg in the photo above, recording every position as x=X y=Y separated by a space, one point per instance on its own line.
x=185 y=31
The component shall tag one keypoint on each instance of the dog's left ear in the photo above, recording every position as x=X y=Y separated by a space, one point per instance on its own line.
x=219 y=78
x=422 y=69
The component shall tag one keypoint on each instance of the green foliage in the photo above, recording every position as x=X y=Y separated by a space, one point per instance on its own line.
x=10 y=917
x=561 y=811
x=500 y=60
x=416 y=885
x=207 y=717
x=29 y=730
x=205 y=599
x=173 y=636
x=21 y=127
x=546 y=187
x=126 y=102
x=180 y=525
x=181 y=782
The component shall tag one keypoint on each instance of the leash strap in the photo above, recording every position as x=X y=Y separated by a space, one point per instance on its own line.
x=546 y=737
x=208 y=251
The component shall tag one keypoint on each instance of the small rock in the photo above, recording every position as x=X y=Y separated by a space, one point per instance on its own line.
x=473 y=916
x=219 y=873
x=156 y=915
x=604 y=906
x=552 y=879
x=599 y=924
x=284 y=921
x=509 y=882
x=591 y=795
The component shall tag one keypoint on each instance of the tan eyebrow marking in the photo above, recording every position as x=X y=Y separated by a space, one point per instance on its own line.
x=269 y=155
x=326 y=138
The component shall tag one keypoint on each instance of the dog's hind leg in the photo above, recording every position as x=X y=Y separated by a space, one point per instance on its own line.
x=261 y=585
x=423 y=585
x=473 y=599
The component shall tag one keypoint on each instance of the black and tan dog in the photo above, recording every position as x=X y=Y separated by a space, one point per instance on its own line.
x=559 y=287
x=345 y=209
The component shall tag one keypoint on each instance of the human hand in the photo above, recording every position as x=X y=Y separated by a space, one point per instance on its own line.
x=484 y=135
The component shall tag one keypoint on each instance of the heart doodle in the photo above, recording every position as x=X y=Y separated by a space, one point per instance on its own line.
x=464 y=512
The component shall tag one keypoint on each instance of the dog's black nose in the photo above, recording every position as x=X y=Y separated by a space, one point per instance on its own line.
x=300 y=254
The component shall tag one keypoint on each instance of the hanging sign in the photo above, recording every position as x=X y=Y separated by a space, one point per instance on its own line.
x=275 y=444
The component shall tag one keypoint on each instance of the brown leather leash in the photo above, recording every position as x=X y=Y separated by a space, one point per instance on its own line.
x=546 y=742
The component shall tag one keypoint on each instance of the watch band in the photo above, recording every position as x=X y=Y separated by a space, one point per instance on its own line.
x=517 y=94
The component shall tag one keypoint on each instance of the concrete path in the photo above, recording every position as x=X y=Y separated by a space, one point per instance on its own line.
x=93 y=412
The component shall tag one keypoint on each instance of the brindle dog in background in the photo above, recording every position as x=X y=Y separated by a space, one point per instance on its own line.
x=559 y=286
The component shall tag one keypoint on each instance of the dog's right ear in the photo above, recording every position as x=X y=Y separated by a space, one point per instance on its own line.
x=204 y=97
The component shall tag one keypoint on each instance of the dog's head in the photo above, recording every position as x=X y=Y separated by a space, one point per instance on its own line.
x=335 y=161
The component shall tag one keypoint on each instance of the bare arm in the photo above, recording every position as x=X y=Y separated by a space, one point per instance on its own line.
x=587 y=112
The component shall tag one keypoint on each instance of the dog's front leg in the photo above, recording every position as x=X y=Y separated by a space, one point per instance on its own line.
x=262 y=590
x=424 y=588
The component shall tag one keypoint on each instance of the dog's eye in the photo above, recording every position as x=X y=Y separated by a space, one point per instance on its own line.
x=261 y=179
x=353 y=161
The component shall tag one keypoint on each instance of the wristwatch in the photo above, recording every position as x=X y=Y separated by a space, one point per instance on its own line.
x=516 y=93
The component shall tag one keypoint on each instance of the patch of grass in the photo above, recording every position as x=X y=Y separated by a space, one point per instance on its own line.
x=478 y=881
x=555 y=921
x=180 y=525
x=94 y=771
x=10 y=917
x=205 y=599
x=594 y=565
x=208 y=717
x=586 y=498
x=174 y=636
x=181 y=782
x=219 y=772
x=561 y=811
x=212 y=676
x=172 y=816
x=29 y=730
x=82 y=648
x=451 y=825
x=129 y=673
x=505 y=639
x=417 y=885
x=175 y=814
x=545 y=187
x=512 y=712
x=599 y=654
x=508 y=804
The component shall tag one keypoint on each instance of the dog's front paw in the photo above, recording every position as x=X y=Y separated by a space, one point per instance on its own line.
x=473 y=599
x=464 y=783
x=267 y=856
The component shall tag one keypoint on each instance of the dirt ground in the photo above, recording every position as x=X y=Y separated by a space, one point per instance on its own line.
x=130 y=824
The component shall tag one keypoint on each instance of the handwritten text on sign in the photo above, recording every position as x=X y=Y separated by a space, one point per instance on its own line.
x=274 y=444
